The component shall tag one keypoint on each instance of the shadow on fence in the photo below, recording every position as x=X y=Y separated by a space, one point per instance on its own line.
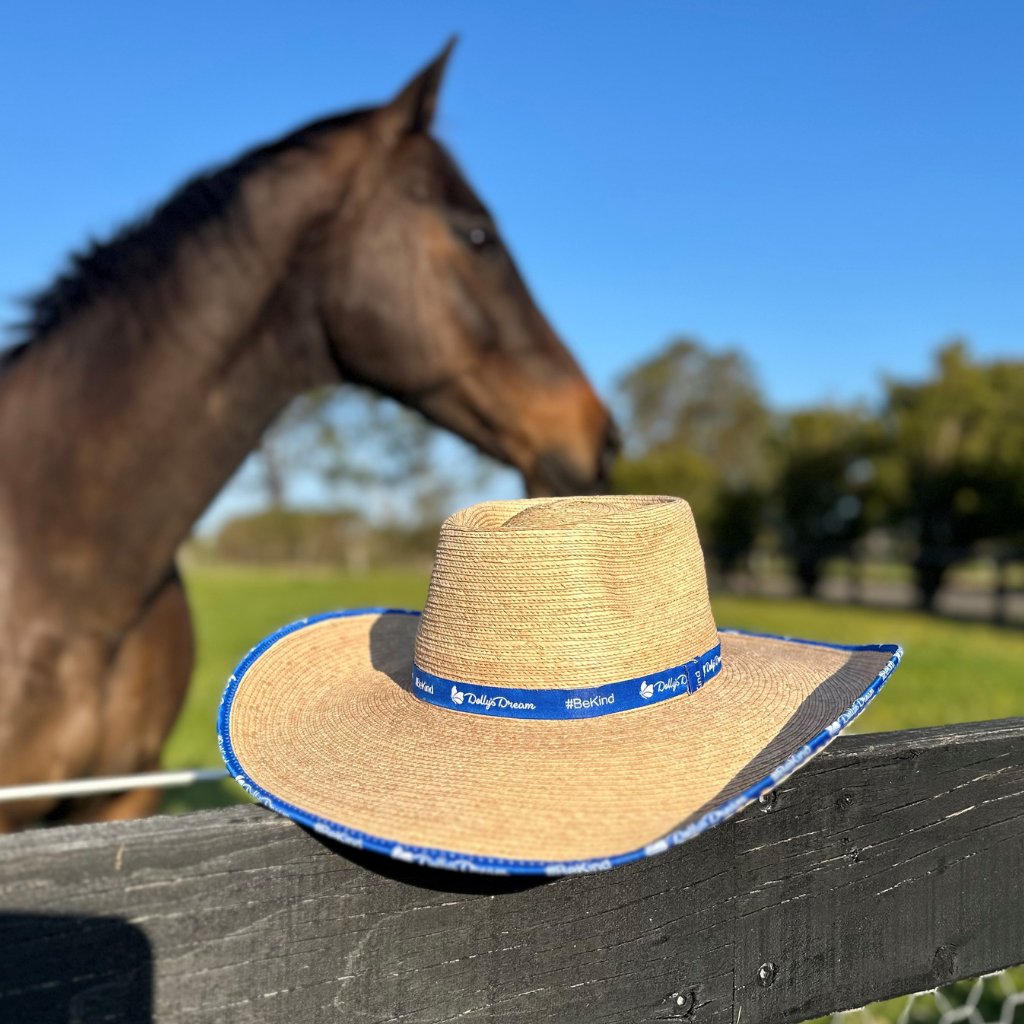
x=72 y=969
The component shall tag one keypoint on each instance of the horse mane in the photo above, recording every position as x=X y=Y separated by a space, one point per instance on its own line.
x=145 y=248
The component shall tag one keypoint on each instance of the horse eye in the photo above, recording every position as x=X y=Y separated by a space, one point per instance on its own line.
x=479 y=237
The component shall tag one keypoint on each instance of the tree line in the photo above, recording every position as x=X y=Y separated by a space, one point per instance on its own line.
x=939 y=464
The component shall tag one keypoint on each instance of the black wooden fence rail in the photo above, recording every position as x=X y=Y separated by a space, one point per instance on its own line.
x=892 y=863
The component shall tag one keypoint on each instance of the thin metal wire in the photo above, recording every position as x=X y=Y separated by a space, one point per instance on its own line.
x=67 y=788
x=946 y=1009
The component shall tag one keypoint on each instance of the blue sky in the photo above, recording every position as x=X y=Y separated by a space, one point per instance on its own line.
x=833 y=187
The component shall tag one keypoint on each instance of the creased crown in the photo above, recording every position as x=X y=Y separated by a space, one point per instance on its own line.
x=566 y=592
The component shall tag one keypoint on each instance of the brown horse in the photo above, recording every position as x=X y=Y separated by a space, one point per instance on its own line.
x=351 y=250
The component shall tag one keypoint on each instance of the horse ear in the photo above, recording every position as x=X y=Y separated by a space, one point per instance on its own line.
x=412 y=110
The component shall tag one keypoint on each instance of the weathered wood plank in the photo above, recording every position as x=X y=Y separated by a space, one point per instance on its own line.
x=889 y=864
x=896 y=869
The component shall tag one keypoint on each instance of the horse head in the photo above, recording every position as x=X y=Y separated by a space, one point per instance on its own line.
x=420 y=299
x=156 y=361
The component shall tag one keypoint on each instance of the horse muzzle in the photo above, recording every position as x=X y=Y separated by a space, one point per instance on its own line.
x=556 y=473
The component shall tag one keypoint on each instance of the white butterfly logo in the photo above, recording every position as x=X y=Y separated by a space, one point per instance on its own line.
x=646 y=690
x=457 y=695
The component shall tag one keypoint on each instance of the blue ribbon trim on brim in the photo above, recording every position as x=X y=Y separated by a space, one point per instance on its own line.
x=454 y=860
x=554 y=705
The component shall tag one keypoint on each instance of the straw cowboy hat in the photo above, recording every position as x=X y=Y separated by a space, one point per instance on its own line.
x=564 y=703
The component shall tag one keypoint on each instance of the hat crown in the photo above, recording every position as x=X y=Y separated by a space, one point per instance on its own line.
x=566 y=592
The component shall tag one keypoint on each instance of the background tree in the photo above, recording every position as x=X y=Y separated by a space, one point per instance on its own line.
x=349 y=476
x=960 y=441
x=344 y=442
x=941 y=463
x=828 y=486
x=695 y=426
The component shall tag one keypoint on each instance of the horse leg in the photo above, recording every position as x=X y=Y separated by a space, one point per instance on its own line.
x=145 y=689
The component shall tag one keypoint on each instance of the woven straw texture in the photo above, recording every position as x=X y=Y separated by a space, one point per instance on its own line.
x=566 y=592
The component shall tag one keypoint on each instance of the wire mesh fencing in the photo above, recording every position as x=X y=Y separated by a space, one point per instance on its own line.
x=991 y=999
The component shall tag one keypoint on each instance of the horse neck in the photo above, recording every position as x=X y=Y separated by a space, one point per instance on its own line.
x=121 y=428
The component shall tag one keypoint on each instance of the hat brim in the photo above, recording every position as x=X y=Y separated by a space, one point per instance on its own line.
x=319 y=724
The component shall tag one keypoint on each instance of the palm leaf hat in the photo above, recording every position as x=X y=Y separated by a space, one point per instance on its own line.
x=565 y=702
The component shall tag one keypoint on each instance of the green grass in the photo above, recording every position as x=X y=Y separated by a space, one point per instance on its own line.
x=952 y=671
x=927 y=1008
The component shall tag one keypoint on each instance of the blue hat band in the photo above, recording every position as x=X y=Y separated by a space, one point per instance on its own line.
x=560 y=704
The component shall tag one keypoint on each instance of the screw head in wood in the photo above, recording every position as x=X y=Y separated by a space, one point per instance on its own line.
x=683 y=1004
x=766 y=974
